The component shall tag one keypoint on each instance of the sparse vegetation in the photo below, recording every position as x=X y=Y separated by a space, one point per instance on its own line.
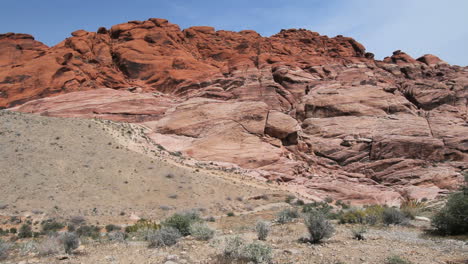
x=318 y=226
x=236 y=249
x=182 y=221
x=393 y=216
x=396 y=260
x=201 y=231
x=230 y=214
x=49 y=246
x=4 y=248
x=412 y=208
x=289 y=199
x=25 y=231
x=287 y=215
x=77 y=220
x=359 y=233
x=111 y=227
x=164 y=237
x=142 y=224
x=70 y=242
x=117 y=236
x=322 y=207
x=257 y=253
x=353 y=216
x=51 y=226
x=262 y=228
x=88 y=231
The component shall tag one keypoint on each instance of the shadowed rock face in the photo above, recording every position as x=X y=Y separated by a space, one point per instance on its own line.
x=317 y=113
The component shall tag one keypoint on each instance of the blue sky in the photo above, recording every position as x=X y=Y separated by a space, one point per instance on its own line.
x=414 y=26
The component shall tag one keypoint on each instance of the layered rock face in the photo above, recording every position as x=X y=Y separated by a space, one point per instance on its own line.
x=316 y=113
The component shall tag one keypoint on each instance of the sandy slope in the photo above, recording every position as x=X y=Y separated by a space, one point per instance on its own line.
x=66 y=167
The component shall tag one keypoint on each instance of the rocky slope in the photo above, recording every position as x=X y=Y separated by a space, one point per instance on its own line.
x=316 y=113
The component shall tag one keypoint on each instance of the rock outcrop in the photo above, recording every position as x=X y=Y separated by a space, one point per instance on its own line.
x=319 y=114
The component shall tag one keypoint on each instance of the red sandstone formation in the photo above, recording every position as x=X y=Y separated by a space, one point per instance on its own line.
x=315 y=112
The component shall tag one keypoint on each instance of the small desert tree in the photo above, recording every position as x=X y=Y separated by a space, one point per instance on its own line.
x=318 y=226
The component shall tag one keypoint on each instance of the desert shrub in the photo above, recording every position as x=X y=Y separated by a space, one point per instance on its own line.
x=13 y=230
x=233 y=248
x=4 y=248
x=88 y=231
x=117 y=236
x=236 y=249
x=328 y=200
x=289 y=199
x=51 y=226
x=342 y=204
x=262 y=228
x=321 y=207
x=374 y=214
x=396 y=260
x=142 y=224
x=70 y=242
x=230 y=214
x=111 y=227
x=353 y=216
x=257 y=253
x=318 y=226
x=164 y=237
x=452 y=219
x=77 y=220
x=287 y=215
x=25 y=231
x=412 y=208
x=300 y=202
x=182 y=221
x=210 y=219
x=359 y=233
x=201 y=231
x=49 y=246
x=393 y=216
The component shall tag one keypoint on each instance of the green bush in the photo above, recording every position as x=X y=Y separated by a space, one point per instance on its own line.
x=142 y=224
x=201 y=231
x=287 y=215
x=164 y=237
x=354 y=216
x=230 y=214
x=262 y=228
x=396 y=260
x=318 y=226
x=393 y=216
x=51 y=226
x=182 y=221
x=374 y=214
x=111 y=227
x=321 y=207
x=453 y=218
x=88 y=231
x=25 y=231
